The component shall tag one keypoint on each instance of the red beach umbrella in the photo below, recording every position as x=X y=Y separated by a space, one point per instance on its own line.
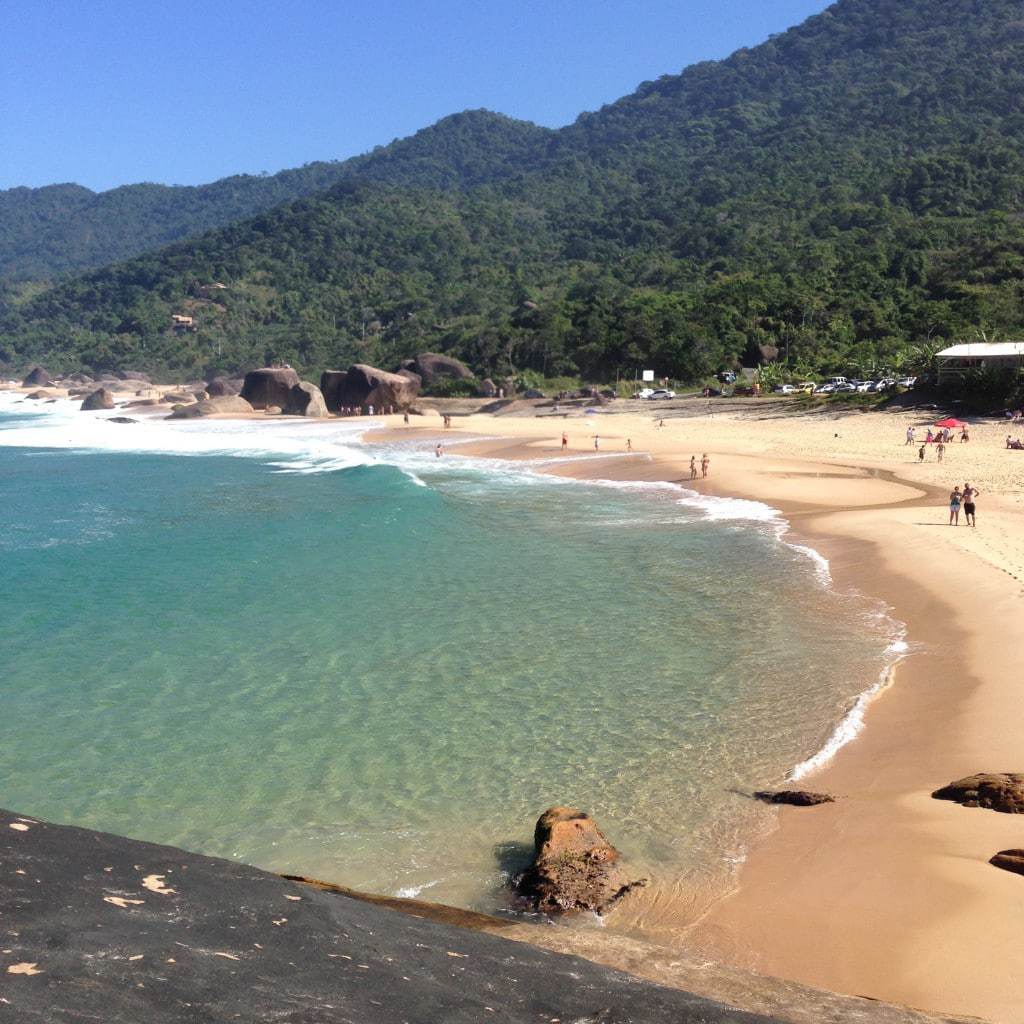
x=951 y=422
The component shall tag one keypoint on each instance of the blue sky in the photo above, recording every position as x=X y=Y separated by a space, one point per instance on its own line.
x=105 y=92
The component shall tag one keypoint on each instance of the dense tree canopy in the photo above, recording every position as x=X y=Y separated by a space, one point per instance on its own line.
x=843 y=192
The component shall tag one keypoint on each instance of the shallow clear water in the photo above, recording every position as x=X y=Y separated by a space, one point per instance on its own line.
x=268 y=641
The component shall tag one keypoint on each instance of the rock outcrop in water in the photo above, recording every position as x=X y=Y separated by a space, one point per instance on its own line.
x=268 y=386
x=101 y=398
x=998 y=792
x=227 y=404
x=794 y=797
x=574 y=867
x=305 y=399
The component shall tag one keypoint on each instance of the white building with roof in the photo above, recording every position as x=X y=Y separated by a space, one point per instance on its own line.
x=978 y=355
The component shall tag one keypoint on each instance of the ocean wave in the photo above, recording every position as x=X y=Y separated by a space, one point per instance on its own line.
x=852 y=722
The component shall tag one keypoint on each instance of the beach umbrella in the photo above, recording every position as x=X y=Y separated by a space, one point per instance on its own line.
x=952 y=421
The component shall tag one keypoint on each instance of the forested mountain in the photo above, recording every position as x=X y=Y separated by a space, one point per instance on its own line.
x=843 y=191
x=46 y=233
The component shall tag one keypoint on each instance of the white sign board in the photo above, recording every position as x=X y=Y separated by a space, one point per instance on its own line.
x=648 y=375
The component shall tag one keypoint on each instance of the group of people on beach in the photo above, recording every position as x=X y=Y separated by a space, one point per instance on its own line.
x=944 y=435
x=965 y=499
x=369 y=410
x=705 y=463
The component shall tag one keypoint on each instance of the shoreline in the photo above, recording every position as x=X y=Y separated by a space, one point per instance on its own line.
x=886 y=893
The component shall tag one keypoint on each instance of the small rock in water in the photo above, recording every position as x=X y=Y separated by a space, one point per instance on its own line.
x=121 y=419
x=794 y=797
x=1010 y=860
x=574 y=867
x=997 y=792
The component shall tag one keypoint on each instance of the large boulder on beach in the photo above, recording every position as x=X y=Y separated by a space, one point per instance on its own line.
x=793 y=797
x=486 y=388
x=226 y=405
x=221 y=386
x=305 y=399
x=79 y=378
x=133 y=375
x=35 y=396
x=362 y=386
x=997 y=792
x=101 y=398
x=268 y=386
x=178 y=398
x=430 y=367
x=574 y=867
x=1009 y=860
x=37 y=377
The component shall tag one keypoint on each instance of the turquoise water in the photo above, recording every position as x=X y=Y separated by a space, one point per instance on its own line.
x=270 y=642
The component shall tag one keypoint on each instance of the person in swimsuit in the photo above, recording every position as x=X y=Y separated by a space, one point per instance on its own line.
x=920 y=454
x=597 y=443
x=964 y=436
x=704 y=463
x=693 y=467
x=565 y=440
x=954 y=506
x=970 y=493
x=439 y=451
x=910 y=436
x=629 y=445
x=940 y=449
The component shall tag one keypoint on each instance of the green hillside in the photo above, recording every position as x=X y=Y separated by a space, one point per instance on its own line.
x=844 y=192
x=47 y=233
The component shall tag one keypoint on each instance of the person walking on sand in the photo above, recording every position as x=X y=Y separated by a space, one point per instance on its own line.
x=970 y=493
x=964 y=436
x=704 y=463
x=597 y=443
x=565 y=440
x=629 y=444
x=940 y=449
x=920 y=454
x=954 y=506
x=910 y=436
x=405 y=418
x=693 y=467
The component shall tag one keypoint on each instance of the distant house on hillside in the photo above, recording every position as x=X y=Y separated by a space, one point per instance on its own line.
x=181 y=323
x=988 y=355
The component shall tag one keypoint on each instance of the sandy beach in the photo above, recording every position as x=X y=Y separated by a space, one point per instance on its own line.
x=887 y=892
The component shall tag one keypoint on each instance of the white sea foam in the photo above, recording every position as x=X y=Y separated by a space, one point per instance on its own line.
x=410 y=892
x=853 y=722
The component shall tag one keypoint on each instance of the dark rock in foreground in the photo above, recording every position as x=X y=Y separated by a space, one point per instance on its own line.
x=178 y=398
x=101 y=928
x=121 y=419
x=1010 y=860
x=36 y=396
x=228 y=404
x=101 y=398
x=305 y=399
x=269 y=386
x=794 y=797
x=574 y=867
x=997 y=792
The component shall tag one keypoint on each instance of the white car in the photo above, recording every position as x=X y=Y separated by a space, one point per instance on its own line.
x=865 y=386
x=661 y=393
x=824 y=389
x=907 y=382
x=786 y=389
x=645 y=393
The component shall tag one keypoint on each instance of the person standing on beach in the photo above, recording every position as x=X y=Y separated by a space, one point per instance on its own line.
x=405 y=418
x=565 y=440
x=964 y=436
x=940 y=449
x=910 y=436
x=597 y=443
x=704 y=463
x=693 y=467
x=439 y=451
x=970 y=493
x=629 y=444
x=954 y=506
x=920 y=454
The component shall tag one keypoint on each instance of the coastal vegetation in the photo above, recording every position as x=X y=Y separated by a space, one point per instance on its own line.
x=845 y=196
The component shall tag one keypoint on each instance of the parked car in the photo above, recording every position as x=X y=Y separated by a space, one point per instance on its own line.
x=824 y=389
x=785 y=389
x=907 y=382
x=837 y=380
x=661 y=393
x=845 y=389
x=807 y=387
x=644 y=393
x=864 y=386
x=726 y=377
